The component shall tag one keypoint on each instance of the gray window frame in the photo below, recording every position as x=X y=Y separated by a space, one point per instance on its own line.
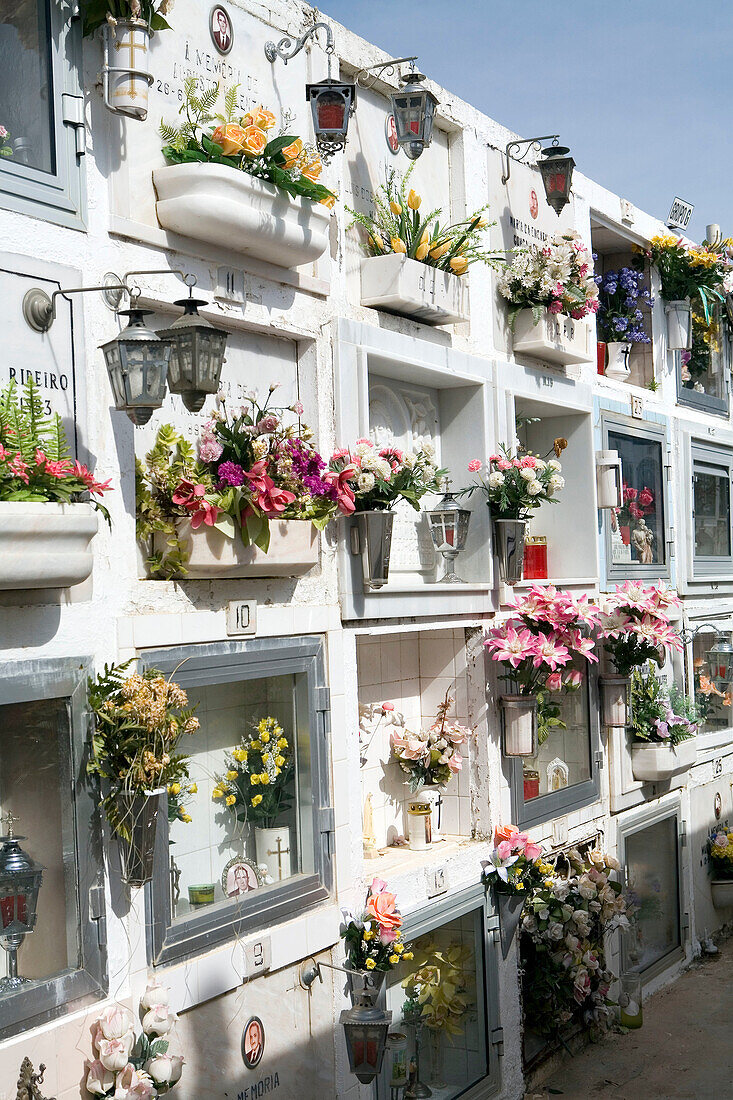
x=26 y=681
x=717 y=406
x=58 y=197
x=637 y=823
x=432 y=916
x=705 y=455
x=194 y=666
x=653 y=433
x=555 y=803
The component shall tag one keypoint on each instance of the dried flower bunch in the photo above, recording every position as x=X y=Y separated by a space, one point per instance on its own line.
x=153 y=12
x=34 y=454
x=380 y=476
x=373 y=940
x=257 y=785
x=397 y=226
x=557 y=277
x=242 y=142
x=139 y=719
x=130 y=1067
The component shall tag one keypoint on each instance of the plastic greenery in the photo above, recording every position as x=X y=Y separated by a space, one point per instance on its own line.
x=241 y=142
x=97 y=12
x=398 y=227
x=659 y=714
x=691 y=271
x=138 y=722
x=258 y=779
x=621 y=296
x=34 y=454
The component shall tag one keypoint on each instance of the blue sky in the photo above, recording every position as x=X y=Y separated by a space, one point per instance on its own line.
x=640 y=91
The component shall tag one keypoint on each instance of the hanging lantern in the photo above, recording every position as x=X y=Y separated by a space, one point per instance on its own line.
x=720 y=663
x=609 y=487
x=196 y=356
x=20 y=883
x=413 y=107
x=332 y=105
x=556 y=169
x=449 y=529
x=365 y=1028
x=137 y=365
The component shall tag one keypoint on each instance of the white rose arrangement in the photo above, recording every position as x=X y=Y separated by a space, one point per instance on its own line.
x=557 y=276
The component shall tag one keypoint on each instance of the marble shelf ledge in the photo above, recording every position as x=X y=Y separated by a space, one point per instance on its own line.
x=404 y=860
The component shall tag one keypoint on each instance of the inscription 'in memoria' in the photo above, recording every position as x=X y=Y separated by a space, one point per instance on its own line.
x=261 y=1088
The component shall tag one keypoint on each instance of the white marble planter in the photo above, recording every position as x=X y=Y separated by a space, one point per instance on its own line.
x=226 y=207
x=722 y=892
x=45 y=545
x=679 y=324
x=652 y=762
x=293 y=551
x=401 y=285
x=555 y=338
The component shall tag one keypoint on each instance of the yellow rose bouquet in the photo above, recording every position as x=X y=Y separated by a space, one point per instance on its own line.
x=243 y=142
x=256 y=786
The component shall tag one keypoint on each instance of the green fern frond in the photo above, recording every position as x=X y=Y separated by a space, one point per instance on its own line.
x=230 y=102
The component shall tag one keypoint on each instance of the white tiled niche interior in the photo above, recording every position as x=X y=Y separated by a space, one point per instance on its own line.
x=413 y=671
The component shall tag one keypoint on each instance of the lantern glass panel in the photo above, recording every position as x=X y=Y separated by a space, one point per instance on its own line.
x=715 y=709
x=330 y=112
x=35 y=777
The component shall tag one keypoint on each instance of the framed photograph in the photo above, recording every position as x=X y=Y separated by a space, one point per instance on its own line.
x=253 y=1042
x=220 y=29
x=241 y=876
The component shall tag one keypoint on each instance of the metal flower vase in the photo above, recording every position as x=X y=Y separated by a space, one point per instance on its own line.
x=519 y=724
x=614 y=699
x=371 y=540
x=510 y=908
x=679 y=324
x=509 y=538
x=138 y=816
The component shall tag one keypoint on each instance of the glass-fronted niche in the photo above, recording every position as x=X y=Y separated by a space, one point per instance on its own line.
x=249 y=838
x=650 y=857
x=41 y=110
x=444 y=1005
x=712 y=470
x=563 y=774
x=42 y=785
x=636 y=533
x=714 y=705
x=702 y=372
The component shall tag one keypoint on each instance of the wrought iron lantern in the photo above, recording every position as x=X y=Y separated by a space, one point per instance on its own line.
x=449 y=529
x=196 y=356
x=365 y=1029
x=137 y=364
x=720 y=663
x=332 y=105
x=20 y=883
x=556 y=168
x=413 y=107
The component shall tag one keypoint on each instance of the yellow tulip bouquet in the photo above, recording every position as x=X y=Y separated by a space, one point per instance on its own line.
x=242 y=142
x=256 y=785
x=398 y=226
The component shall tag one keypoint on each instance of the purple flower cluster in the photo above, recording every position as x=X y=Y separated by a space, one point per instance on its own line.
x=620 y=316
x=308 y=465
x=230 y=473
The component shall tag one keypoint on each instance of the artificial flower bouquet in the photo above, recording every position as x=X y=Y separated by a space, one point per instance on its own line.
x=257 y=784
x=516 y=863
x=180 y=796
x=438 y=989
x=95 y=13
x=377 y=477
x=130 y=1067
x=34 y=455
x=6 y=149
x=243 y=142
x=720 y=851
x=397 y=226
x=636 y=625
x=516 y=485
x=373 y=940
x=566 y=918
x=557 y=277
x=660 y=714
x=620 y=316
x=252 y=467
x=430 y=757
x=139 y=720
x=690 y=271
x=637 y=505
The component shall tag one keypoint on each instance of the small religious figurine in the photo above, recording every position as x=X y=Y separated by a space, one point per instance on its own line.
x=642 y=538
x=368 y=838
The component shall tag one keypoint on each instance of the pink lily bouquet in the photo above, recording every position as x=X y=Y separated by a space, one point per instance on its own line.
x=373 y=940
x=130 y=1067
x=515 y=865
x=552 y=629
x=635 y=623
x=430 y=757
x=516 y=485
x=383 y=475
x=255 y=464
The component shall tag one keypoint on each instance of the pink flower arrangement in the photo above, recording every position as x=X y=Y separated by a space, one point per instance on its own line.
x=636 y=626
x=380 y=476
x=127 y=1067
x=374 y=938
x=516 y=485
x=430 y=757
x=513 y=865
